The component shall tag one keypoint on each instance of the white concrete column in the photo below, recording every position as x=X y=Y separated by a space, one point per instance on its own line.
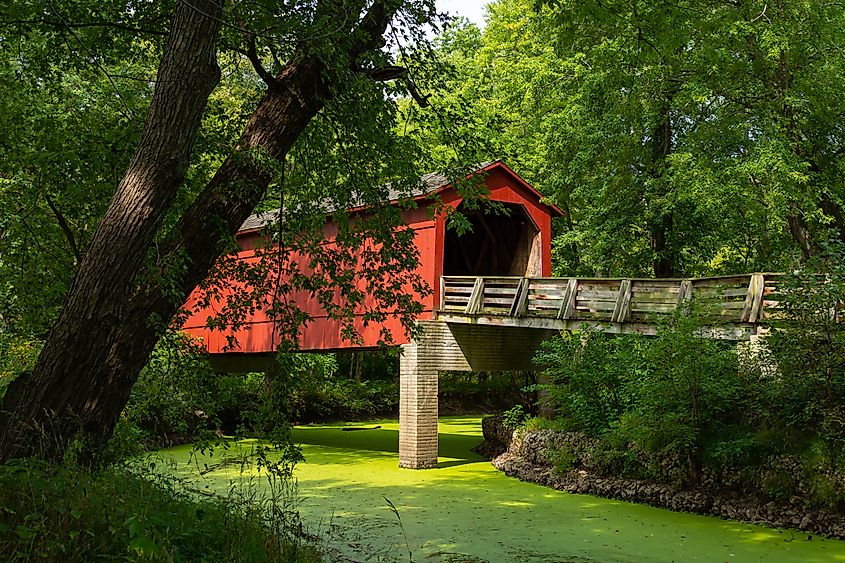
x=417 y=408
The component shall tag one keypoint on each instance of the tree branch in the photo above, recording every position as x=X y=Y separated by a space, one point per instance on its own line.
x=68 y=378
x=303 y=88
x=386 y=73
x=79 y=25
x=63 y=224
x=392 y=72
x=251 y=53
x=371 y=30
x=421 y=99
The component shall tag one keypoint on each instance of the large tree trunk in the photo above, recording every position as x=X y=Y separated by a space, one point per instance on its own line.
x=664 y=263
x=801 y=234
x=82 y=391
x=39 y=408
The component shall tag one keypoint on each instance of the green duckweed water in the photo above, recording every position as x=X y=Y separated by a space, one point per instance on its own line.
x=467 y=511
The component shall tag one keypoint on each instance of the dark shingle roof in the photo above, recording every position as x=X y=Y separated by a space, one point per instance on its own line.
x=260 y=220
x=428 y=184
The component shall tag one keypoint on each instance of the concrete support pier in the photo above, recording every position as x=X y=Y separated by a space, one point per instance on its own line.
x=451 y=347
x=417 y=409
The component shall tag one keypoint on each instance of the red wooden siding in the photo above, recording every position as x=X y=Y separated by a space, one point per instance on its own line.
x=322 y=333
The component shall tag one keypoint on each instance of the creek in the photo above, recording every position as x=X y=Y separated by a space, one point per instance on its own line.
x=467 y=511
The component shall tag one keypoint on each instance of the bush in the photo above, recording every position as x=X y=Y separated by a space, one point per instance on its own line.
x=687 y=395
x=678 y=406
x=309 y=389
x=17 y=355
x=178 y=396
x=827 y=491
x=808 y=344
x=563 y=458
x=673 y=394
x=590 y=374
x=68 y=514
x=482 y=392
x=514 y=417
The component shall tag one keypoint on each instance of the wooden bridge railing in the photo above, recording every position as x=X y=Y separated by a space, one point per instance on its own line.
x=740 y=300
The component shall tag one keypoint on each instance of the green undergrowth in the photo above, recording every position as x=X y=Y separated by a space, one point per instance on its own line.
x=763 y=419
x=63 y=513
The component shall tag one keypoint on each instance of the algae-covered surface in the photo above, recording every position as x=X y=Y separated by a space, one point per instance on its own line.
x=465 y=510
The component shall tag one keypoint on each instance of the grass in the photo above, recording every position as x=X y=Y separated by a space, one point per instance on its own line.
x=63 y=513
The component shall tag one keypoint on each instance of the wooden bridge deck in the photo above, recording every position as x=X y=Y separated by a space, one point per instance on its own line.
x=733 y=307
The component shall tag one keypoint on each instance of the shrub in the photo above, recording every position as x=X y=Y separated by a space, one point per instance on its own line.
x=176 y=392
x=589 y=373
x=827 y=490
x=17 y=355
x=685 y=398
x=808 y=344
x=514 y=417
x=673 y=394
x=563 y=458
x=779 y=484
x=483 y=391
x=315 y=393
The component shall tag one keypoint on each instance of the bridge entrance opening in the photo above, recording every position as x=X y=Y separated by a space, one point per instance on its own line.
x=499 y=244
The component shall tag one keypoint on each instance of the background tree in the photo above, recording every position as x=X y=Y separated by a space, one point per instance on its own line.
x=681 y=139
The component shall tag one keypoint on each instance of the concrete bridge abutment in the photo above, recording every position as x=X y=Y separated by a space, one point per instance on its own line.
x=451 y=347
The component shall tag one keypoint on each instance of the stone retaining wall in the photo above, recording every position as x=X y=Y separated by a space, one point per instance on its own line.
x=526 y=458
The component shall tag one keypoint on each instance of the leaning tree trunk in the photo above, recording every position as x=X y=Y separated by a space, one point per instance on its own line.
x=39 y=409
x=291 y=101
x=85 y=390
x=218 y=212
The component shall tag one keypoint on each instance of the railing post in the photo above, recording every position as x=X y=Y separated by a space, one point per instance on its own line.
x=684 y=296
x=442 y=293
x=567 y=304
x=476 y=297
x=623 y=301
x=755 y=293
x=520 y=300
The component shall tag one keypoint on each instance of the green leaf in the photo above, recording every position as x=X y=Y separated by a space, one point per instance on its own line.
x=144 y=546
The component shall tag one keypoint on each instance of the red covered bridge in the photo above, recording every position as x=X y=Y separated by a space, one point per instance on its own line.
x=513 y=244
x=493 y=303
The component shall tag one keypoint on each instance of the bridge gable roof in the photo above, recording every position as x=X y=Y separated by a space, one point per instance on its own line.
x=430 y=184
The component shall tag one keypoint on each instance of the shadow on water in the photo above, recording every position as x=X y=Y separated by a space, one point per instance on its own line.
x=362 y=443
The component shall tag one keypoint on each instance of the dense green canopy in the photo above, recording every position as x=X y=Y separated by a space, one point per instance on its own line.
x=682 y=138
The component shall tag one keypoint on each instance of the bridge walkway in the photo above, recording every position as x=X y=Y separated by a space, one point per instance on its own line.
x=733 y=307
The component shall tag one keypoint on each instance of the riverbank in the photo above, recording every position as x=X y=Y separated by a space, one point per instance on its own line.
x=466 y=510
x=528 y=458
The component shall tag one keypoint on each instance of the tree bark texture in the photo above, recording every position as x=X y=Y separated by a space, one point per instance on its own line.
x=115 y=312
x=38 y=407
x=218 y=212
x=801 y=233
